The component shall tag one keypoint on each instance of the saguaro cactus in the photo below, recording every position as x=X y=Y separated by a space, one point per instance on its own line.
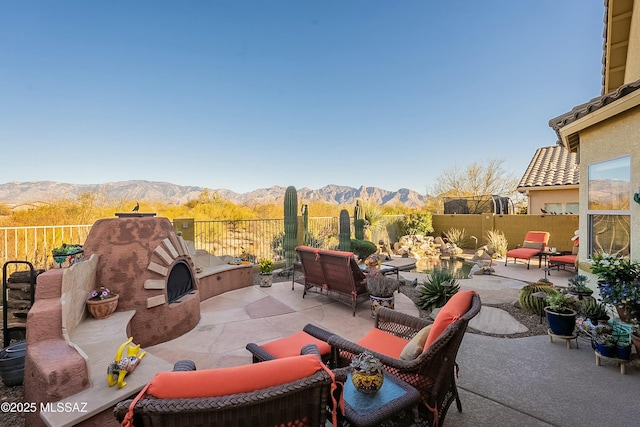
x=290 y=225
x=358 y=221
x=345 y=231
x=305 y=223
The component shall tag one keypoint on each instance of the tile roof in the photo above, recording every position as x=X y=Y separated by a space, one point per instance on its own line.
x=582 y=110
x=551 y=166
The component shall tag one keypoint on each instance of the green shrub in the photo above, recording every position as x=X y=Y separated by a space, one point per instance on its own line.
x=416 y=223
x=362 y=248
x=433 y=294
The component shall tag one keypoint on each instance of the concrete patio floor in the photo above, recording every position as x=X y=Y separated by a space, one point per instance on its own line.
x=502 y=382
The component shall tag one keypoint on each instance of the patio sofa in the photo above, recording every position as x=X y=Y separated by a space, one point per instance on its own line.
x=335 y=272
x=290 y=391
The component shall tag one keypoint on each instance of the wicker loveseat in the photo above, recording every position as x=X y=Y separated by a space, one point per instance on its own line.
x=290 y=391
x=432 y=371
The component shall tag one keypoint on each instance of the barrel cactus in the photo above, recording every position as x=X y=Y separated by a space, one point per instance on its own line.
x=290 y=225
x=531 y=304
x=345 y=231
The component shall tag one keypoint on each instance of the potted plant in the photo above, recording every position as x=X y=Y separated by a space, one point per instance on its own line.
x=64 y=253
x=265 y=277
x=623 y=347
x=381 y=289
x=605 y=344
x=366 y=375
x=593 y=310
x=102 y=302
x=619 y=284
x=578 y=286
x=560 y=314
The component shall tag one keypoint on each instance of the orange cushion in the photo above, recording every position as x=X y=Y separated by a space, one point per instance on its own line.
x=537 y=236
x=239 y=379
x=459 y=304
x=383 y=342
x=291 y=345
x=523 y=253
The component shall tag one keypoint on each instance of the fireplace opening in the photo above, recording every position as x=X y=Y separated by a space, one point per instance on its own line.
x=179 y=282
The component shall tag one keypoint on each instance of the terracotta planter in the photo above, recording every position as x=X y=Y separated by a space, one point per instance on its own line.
x=367 y=382
x=103 y=308
x=625 y=316
x=377 y=302
x=635 y=339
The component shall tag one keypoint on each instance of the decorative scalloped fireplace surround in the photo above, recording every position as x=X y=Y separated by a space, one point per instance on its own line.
x=139 y=259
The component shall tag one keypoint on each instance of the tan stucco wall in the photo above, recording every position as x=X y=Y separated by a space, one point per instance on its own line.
x=632 y=72
x=616 y=137
x=537 y=198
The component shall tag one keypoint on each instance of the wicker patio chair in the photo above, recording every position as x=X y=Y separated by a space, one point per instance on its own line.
x=301 y=402
x=433 y=372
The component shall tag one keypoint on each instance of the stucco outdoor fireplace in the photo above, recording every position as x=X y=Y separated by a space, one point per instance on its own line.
x=148 y=264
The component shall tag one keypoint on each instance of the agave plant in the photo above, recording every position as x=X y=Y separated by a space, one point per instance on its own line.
x=437 y=289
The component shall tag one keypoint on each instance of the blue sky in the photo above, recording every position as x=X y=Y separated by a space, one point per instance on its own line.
x=248 y=94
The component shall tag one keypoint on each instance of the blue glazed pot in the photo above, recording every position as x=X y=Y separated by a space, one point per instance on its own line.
x=605 y=351
x=623 y=353
x=560 y=323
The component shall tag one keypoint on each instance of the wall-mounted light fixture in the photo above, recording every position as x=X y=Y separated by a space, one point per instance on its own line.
x=636 y=196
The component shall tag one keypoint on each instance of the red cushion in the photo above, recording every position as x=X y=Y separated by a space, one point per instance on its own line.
x=523 y=253
x=459 y=304
x=291 y=345
x=563 y=259
x=537 y=236
x=383 y=342
x=239 y=379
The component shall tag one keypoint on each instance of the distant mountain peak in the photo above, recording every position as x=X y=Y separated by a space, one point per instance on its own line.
x=16 y=193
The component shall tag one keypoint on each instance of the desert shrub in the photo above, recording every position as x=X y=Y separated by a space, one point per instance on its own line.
x=456 y=236
x=362 y=248
x=498 y=241
x=437 y=289
x=415 y=223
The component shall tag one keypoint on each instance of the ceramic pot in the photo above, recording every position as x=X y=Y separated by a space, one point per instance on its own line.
x=623 y=353
x=605 y=351
x=265 y=280
x=625 y=316
x=635 y=339
x=562 y=324
x=103 y=308
x=377 y=302
x=367 y=382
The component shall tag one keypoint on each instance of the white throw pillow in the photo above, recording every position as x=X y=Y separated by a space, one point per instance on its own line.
x=415 y=347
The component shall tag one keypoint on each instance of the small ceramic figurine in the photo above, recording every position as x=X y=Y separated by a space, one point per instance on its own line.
x=122 y=365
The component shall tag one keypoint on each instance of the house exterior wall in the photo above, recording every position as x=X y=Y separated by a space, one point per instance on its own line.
x=616 y=137
x=632 y=71
x=538 y=198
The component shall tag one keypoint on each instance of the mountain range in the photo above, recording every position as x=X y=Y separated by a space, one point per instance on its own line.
x=32 y=193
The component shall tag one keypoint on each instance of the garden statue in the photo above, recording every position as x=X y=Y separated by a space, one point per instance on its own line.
x=122 y=365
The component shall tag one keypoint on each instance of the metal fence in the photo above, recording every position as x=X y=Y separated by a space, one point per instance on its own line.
x=34 y=244
x=251 y=239
x=260 y=238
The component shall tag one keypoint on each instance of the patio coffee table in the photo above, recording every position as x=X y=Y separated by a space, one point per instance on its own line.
x=395 y=398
